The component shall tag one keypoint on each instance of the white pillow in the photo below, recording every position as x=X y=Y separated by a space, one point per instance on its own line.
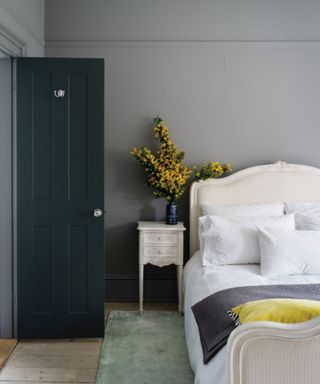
x=234 y=240
x=312 y=209
x=285 y=252
x=249 y=210
x=307 y=222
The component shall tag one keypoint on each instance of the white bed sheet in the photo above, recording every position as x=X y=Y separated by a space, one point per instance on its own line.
x=200 y=282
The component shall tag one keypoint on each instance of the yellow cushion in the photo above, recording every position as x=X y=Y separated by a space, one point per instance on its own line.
x=280 y=310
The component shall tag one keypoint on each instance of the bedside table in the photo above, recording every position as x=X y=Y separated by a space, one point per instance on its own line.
x=160 y=244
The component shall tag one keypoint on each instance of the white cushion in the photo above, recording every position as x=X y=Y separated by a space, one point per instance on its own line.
x=289 y=252
x=312 y=209
x=234 y=240
x=307 y=222
x=249 y=210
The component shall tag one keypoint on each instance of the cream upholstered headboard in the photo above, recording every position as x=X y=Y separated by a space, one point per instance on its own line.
x=271 y=183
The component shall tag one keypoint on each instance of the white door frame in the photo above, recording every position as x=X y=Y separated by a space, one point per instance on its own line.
x=14 y=47
x=10 y=43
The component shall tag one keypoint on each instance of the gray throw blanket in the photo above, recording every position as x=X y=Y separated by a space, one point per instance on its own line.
x=211 y=313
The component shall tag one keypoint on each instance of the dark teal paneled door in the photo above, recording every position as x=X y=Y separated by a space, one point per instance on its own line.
x=60 y=183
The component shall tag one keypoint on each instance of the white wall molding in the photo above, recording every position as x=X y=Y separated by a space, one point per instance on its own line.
x=176 y=43
x=10 y=43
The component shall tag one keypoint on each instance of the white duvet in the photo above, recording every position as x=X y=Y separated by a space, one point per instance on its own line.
x=200 y=282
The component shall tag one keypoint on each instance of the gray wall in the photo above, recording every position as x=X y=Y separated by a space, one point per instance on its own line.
x=25 y=18
x=236 y=81
x=183 y=20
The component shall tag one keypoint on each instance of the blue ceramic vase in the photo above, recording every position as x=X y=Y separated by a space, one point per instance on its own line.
x=171 y=214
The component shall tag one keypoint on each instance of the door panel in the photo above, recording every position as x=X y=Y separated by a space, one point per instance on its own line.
x=60 y=144
x=78 y=188
x=42 y=267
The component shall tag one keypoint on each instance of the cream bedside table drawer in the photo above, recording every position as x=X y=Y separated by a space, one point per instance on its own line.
x=160 y=256
x=155 y=238
x=160 y=244
x=160 y=251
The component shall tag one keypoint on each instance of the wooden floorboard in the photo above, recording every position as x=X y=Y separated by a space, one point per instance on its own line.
x=72 y=375
x=67 y=361
x=6 y=348
x=71 y=360
x=57 y=347
x=34 y=382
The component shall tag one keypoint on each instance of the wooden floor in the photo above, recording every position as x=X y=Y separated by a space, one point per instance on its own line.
x=6 y=348
x=62 y=361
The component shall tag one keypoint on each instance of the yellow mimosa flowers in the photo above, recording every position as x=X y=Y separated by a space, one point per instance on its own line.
x=166 y=172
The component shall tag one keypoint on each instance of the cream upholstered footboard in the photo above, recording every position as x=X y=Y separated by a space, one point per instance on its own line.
x=275 y=353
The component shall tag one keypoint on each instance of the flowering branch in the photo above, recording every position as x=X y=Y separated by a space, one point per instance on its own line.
x=211 y=169
x=166 y=172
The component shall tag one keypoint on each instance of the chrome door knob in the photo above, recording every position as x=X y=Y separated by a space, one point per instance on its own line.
x=97 y=212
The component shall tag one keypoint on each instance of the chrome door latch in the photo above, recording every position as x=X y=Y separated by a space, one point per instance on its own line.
x=97 y=212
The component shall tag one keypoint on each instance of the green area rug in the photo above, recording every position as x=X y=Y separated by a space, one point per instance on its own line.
x=147 y=349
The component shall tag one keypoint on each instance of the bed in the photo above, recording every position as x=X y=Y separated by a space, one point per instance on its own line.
x=261 y=352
